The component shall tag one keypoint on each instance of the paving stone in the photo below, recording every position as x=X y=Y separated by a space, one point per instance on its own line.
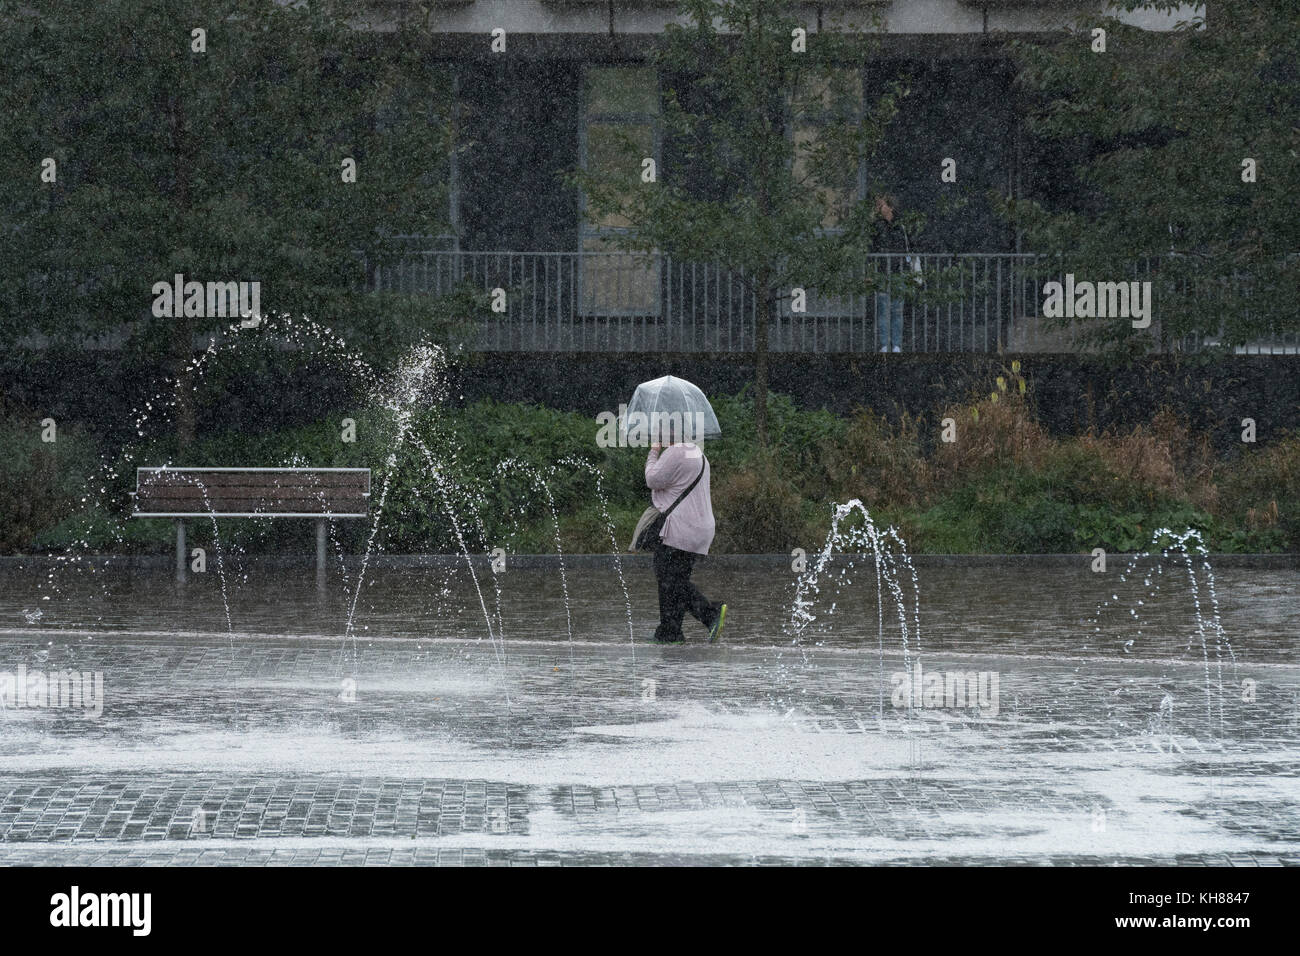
x=238 y=750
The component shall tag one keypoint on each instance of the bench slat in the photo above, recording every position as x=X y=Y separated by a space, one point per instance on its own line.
x=245 y=491
x=269 y=506
x=180 y=479
x=270 y=493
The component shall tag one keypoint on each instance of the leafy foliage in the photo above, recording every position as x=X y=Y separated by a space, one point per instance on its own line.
x=40 y=481
x=1019 y=490
x=222 y=165
x=1161 y=124
x=764 y=140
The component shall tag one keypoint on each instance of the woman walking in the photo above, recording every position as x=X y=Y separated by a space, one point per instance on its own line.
x=678 y=479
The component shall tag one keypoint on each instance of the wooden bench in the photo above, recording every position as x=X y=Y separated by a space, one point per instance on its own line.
x=320 y=493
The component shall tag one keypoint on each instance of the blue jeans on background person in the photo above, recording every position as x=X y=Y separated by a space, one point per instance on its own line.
x=889 y=321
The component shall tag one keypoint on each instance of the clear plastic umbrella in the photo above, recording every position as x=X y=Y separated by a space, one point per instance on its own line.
x=670 y=405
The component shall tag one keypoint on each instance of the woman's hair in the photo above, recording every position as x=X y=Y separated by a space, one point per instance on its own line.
x=891 y=201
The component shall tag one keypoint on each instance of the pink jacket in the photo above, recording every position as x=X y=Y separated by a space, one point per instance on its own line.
x=690 y=527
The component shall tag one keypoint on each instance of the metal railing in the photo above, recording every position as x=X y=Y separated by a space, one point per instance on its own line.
x=628 y=302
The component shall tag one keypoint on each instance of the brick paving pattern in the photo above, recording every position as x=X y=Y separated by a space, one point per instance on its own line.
x=269 y=748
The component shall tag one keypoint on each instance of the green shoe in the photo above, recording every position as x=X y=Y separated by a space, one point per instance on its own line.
x=716 y=630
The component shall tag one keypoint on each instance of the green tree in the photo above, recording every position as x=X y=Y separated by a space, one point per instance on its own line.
x=222 y=164
x=767 y=142
x=1161 y=124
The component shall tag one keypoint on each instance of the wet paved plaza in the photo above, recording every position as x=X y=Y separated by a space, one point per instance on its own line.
x=275 y=738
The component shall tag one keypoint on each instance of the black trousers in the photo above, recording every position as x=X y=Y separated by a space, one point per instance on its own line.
x=677 y=594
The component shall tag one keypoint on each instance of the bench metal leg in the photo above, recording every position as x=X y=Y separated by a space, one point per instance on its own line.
x=180 y=550
x=320 y=552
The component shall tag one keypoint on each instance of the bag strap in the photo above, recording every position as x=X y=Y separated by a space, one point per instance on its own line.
x=689 y=489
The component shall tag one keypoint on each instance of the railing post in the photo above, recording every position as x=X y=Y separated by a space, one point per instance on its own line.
x=320 y=552
x=997 y=310
x=993 y=292
x=180 y=550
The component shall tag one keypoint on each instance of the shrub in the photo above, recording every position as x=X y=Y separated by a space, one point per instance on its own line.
x=796 y=439
x=997 y=428
x=1137 y=459
x=873 y=462
x=1132 y=531
x=1012 y=509
x=1264 y=488
x=758 y=510
x=41 y=483
x=1004 y=486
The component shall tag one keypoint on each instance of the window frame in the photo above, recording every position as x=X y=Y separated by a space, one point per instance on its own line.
x=820 y=306
x=586 y=231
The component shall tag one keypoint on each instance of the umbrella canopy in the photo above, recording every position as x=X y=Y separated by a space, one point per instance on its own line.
x=670 y=404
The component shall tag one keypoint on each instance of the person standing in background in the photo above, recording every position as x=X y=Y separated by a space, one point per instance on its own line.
x=890 y=236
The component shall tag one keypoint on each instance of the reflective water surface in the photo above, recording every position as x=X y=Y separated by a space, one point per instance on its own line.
x=1085 y=736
